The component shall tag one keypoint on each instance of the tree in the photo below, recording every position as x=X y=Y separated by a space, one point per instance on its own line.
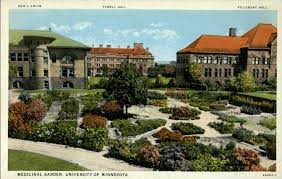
x=193 y=72
x=127 y=87
x=105 y=70
x=243 y=82
x=159 y=81
x=12 y=71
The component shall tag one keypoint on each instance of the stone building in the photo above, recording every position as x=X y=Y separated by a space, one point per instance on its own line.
x=221 y=57
x=112 y=58
x=46 y=60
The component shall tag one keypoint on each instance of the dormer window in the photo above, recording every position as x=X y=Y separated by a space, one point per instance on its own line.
x=67 y=59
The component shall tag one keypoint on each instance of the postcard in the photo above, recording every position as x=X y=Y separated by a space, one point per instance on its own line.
x=127 y=88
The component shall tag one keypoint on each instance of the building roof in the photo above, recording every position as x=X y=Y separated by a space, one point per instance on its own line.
x=216 y=44
x=258 y=37
x=120 y=51
x=16 y=38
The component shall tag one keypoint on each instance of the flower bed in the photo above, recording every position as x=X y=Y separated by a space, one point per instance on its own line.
x=167 y=110
x=250 y=110
x=156 y=95
x=128 y=128
x=231 y=119
x=187 y=128
x=269 y=123
x=90 y=120
x=185 y=113
x=69 y=110
x=222 y=127
x=165 y=135
x=158 y=102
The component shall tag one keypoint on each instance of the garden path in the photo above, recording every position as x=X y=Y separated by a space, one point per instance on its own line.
x=94 y=161
x=52 y=113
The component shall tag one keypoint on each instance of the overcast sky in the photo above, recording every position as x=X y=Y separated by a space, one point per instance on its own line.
x=164 y=31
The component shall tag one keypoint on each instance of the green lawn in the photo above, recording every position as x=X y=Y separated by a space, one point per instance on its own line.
x=28 y=161
x=262 y=94
x=165 y=80
x=72 y=91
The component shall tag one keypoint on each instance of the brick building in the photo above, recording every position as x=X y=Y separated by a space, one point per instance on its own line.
x=221 y=57
x=112 y=58
x=46 y=60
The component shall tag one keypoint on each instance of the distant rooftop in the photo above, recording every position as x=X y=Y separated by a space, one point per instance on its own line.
x=16 y=36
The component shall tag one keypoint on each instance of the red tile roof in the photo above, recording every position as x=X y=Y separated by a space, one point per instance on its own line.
x=258 y=37
x=120 y=51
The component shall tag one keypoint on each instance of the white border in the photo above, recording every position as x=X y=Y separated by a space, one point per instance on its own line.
x=135 y=4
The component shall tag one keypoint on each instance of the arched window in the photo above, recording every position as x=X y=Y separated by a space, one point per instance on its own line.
x=67 y=84
x=18 y=85
x=67 y=59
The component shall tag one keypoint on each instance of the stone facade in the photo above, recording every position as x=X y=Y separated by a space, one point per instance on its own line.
x=221 y=57
x=113 y=57
x=40 y=66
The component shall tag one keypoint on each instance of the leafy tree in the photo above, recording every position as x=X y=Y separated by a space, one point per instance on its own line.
x=243 y=82
x=12 y=71
x=127 y=87
x=193 y=72
x=105 y=70
x=159 y=81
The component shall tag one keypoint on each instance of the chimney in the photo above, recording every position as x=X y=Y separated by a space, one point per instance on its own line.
x=138 y=45
x=109 y=46
x=101 y=45
x=147 y=49
x=128 y=46
x=50 y=29
x=232 y=32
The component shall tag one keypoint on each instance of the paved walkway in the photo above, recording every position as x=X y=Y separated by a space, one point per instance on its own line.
x=52 y=113
x=94 y=161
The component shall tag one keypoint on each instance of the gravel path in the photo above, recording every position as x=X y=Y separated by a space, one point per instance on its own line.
x=94 y=161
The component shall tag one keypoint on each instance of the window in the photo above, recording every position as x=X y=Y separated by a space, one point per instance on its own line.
x=45 y=72
x=220 y=72
x=46 y=84
x=25 y=57
x=20 y=71
x=266 y=61
x=13 y=56
x=206 y=72
x=32 y=52
x=32 y=58
x=67 y=72
x=210 y=72
x=215 y=72
x=225 y=61
x=225 y=72
x=18 y=84
x=117 y=65
x=67 y=84
x=32 y=73
x=20 y=56
x=256 y=73
x=53 y=58
x=45 y=60
x=67 y=59
x=45 y=52
x=266 y=73
x=112 y=65
x=229 y=72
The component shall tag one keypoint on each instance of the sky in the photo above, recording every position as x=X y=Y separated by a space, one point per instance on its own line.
x=164 y=32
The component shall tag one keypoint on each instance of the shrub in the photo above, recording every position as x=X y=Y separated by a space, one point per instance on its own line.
x=222 y=127
x=248 y=160
x=177 y=94
x=127 y=151
x=269 y=123
x=127 y=128
x=243 y=135
x=271 y=150
x=69 y=110
x=187 y=128
x=94 y=139
x=58 y=95
x=36 y=110
x=24 y=96
x=45 y=98
x=263 y=104
x=91 y=121
x=149 y=156
x=185 y=113
x=90 y=103
x=156 y=95
x=205 y=108
x=167 y=110
x=219 y=105
x=158 y=102
x=173 y=158
x=250 y=110
x=112 y=109
x=207 y=162
x=232 y=119
x=165 y=135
